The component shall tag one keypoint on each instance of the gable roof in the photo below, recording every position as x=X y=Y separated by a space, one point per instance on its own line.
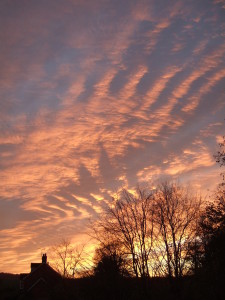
x=43 y=274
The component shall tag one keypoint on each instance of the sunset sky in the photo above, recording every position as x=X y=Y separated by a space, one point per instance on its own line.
x=96 y=95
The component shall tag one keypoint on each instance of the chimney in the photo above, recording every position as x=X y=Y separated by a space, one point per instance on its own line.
x=44 y=258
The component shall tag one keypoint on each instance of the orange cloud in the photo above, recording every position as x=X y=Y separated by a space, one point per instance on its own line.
x=206 y=88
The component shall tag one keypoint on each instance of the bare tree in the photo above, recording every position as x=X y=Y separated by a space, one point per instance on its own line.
x=68 y=260
x=220 y=156
x=129 y=222
x=176 y=214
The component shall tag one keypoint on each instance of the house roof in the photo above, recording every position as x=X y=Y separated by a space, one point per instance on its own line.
x=43 y=273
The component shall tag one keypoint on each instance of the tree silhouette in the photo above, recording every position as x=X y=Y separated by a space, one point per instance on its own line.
x=155 y=229
x=220 y=156
x=67 y=259
x=109 y=262
x=129 y=222
x=213 y=238
x=176 y=214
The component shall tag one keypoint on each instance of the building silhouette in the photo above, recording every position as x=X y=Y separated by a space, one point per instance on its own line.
x=41 y=282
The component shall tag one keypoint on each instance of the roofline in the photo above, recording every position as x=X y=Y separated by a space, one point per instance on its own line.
x=38 y=268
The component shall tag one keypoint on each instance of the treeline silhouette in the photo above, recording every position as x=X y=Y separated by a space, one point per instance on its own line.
x=172 y=243
x=163 y=242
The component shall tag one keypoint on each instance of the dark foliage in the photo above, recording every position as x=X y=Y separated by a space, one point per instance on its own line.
x=110 y=262
x=94 y=288
x=220 y=156
x=109 y=266
x=9 y=286
x=213 y=237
